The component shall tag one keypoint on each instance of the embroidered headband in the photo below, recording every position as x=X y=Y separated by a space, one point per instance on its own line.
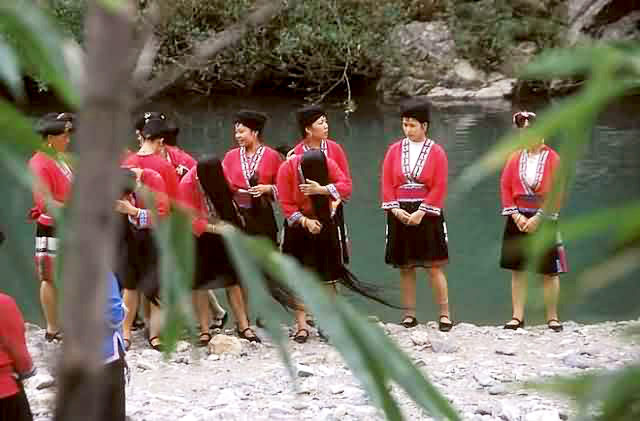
x=254 y=120
x=418 y=109
x=520 y=117
x=306 y=116
x=55 y=124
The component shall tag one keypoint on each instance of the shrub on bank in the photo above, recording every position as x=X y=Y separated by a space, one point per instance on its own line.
x=313 y=45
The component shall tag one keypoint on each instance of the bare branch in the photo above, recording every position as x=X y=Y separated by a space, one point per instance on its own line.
x=156 y=13
x=205 y=50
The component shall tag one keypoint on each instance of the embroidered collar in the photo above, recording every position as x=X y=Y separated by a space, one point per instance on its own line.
x=323 y=147
x=522 y=170
x=249 y=165
x=410 y=174
x=64 y=168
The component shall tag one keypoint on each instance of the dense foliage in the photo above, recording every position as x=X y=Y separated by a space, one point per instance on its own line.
x=315 y=45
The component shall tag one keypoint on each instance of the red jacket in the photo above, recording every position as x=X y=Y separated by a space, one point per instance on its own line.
x=332 y=150
x=160 y=165
x=154 y=182
x=427 y=182
x=293 y=202
x=191 y=197
x=50 y=177
x=239 y=170
x=517 y=195
x=181 y=160
x=14 y=355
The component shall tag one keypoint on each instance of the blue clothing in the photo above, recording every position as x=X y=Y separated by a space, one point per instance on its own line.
x=114 y=316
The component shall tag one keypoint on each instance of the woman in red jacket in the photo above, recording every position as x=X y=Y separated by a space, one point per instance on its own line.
x=204 y=191
x=137 y=258
x=310 y=187
x=314 y=127
x=414 y=187
x=169 y=150
x=251 y=170
x=52 y=187
x=15 y=363
x=526 y=190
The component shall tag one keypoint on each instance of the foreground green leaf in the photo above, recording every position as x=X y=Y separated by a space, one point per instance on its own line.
x=39 y=45
x=373 y=358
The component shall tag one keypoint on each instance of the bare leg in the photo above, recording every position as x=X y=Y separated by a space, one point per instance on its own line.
x=551 y=285
x=301 y=323
x=216 y=309
x=130 y=298
x=200 y=300
x=236 y=301
x=146 y=309
x=408 y=286
x=49 y=302
x=518 y=295
x=440 y=291
x=155 y=323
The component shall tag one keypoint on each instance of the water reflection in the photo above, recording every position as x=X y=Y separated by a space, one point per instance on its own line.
x=479 y=291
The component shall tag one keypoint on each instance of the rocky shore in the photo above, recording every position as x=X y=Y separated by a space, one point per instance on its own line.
x=479 y=368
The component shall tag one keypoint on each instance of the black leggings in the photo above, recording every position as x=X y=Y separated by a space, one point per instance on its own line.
x=15 y=407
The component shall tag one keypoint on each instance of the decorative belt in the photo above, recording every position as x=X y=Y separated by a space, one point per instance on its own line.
x=412 y=192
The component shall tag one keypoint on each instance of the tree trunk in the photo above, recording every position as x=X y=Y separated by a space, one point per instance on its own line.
x=104 y=126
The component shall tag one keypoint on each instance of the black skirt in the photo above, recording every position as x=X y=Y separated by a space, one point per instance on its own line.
x=214 y=267
x=15 y=407
x=514 y=255
x=320 y=252
x=260 y=220
x=137 y=260
x=423 y=245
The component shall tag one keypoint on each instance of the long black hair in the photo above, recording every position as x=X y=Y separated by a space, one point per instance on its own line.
x=214 y=184
x=314 y=167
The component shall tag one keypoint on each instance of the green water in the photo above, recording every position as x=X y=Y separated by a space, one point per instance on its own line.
x=479 y=290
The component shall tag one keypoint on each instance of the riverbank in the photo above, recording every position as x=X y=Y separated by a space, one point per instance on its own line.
x=479 y=368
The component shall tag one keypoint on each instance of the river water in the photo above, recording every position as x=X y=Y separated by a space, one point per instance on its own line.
x=479 y=290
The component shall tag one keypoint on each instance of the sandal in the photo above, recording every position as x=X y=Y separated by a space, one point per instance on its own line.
x=127 y=343
x=50 y=337
x=444 y=326
x=556 y=327
x=204 y=339
x=158 y=346
x=301 y=336
x=409 y=322
x=514 y=326
x=311 y=322
x=252 y=338
x=137 y=324
x=218 y=323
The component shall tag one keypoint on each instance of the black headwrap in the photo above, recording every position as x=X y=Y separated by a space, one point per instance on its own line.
x=314 y=167
x=308 y=115
x=156 y=128
x=418 y=109
x=214 y=184
x=55 y=124
x=251 y=119
x=520 y=117
x=170 y=137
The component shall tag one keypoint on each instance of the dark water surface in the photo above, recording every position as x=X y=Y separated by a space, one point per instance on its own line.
x=479 y=290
